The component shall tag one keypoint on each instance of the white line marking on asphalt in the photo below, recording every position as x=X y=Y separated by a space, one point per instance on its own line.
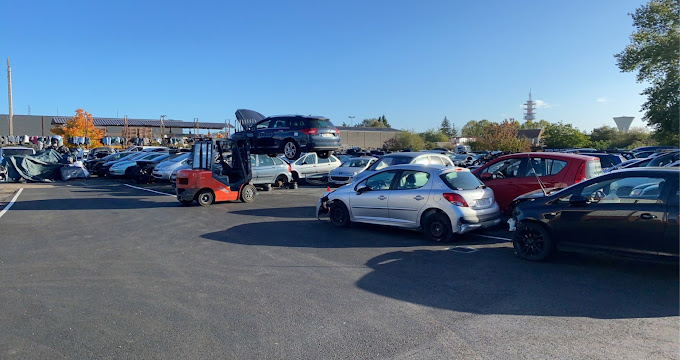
x=153 y=191
x=11 y=202
x=493 y=237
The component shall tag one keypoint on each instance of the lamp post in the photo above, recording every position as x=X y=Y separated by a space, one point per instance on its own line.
x=351 y=120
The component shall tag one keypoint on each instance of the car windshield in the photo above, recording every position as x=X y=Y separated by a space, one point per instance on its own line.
x=320 y=123
x=593 y=169
x=391 y=160
x=355 y=163
x=461 y=180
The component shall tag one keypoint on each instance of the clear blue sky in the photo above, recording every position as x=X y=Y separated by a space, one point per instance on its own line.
x=413 y=61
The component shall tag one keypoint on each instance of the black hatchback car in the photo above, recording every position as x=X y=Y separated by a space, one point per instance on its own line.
x=290 y=135
x=631 y=212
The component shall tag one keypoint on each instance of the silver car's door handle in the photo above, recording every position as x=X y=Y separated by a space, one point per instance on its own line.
x=418 y=197
x=382 y=197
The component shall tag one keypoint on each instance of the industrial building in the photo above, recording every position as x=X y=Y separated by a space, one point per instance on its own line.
x=365 y=137
x=40 y=125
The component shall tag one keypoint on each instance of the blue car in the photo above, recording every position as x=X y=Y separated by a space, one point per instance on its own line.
x=290 y=135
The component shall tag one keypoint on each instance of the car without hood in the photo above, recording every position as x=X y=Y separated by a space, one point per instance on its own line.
x=345 y=173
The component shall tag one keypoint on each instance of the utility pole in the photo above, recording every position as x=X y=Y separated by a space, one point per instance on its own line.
x=162 y=128
x=9 y=94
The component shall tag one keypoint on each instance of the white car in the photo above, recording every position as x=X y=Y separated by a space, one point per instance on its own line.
x=422 y=158
x=349 y=169
x=440 y=200
x=310 y=165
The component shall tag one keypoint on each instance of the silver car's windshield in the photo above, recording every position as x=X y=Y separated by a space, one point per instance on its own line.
x=461 y=180
x=355 y=163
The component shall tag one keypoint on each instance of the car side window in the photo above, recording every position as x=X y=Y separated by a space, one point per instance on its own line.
x=422 y=160
x=380 y=181
x=262 y=125
x=324 y=161
x=628 y=190
x=278 y=123
x=277 y=161
x=311 y=159
x=266 y=160
x=333 y=159
x=252 y=161
x=544 y=167
x=505 y=169
x=412 y=180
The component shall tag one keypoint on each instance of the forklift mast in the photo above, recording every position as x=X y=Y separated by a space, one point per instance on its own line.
x=206 y=153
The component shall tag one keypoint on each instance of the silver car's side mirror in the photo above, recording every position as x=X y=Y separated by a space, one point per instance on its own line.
x=362 y=188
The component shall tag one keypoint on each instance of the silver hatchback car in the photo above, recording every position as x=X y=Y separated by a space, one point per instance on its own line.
x=441 y=200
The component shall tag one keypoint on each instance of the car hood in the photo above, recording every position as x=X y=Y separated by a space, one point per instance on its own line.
x=124 y=163
x=346 y=170
x=248 y=118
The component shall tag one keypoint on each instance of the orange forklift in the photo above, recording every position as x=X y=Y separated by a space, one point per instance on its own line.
x=220 y=171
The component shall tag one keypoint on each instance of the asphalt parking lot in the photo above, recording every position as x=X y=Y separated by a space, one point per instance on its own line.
x=99 y=269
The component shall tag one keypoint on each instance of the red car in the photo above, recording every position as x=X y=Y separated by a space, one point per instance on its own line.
x=512 y=175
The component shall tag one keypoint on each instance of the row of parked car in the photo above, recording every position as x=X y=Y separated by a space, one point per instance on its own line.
x=557 y=201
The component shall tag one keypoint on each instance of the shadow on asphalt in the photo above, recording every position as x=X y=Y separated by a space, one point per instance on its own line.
x=92 y=204
x=306 y=212
x=322 y=234
x=493 y=281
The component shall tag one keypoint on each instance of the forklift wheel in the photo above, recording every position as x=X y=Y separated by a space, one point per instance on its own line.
x=248 y=193
x=205 y=197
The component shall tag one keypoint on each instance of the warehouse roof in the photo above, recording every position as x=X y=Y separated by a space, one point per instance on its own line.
x=97 y=121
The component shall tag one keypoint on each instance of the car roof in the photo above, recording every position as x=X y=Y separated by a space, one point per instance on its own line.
x=427 y=168
x=552 y=155
x=411 y=154
x=311 y=117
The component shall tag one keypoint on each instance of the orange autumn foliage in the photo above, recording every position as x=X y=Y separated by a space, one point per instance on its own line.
x=79 y=125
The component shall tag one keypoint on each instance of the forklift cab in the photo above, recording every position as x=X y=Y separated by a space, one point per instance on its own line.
x=220 y=171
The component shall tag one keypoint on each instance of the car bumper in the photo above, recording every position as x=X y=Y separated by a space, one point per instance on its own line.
x=464 y=228
x=117 y=172
x=161 y=175
x=340 y=179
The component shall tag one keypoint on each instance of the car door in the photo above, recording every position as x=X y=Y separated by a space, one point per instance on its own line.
x=266 y=169
x=280 y=129
x=371 y=205
x=548 y=170
x=411 y=192
x=613 y=217
x=502 y=176
x=254 y=168
x=310 y=164
x=670 y=240
x=263 y=135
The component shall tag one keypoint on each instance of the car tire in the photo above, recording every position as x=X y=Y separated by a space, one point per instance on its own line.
x=186 y=202
x=205 y=197
x=532 y=242
x=281 y=180
x=267 y=187
x=437 y=227
x=324 y=154
x=339 y=214
x=248 y=193
x=291 y=150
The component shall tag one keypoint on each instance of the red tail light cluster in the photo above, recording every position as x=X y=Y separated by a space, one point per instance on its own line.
x=337 y=131
x=580 y=173
x=310 y=131
x=455 y=199
x=289 y=168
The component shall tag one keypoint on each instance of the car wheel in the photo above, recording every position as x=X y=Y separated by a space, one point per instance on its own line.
x=324 y=154
x=248 y=193
x=205 y=197
x=186 y=202
x=281 y=180
x=296 y=176
x=267 y=187
x=339 y=214
x=291 y=149
x=437 y=227
x=532 y=242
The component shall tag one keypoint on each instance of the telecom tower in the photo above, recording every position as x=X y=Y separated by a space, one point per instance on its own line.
x=529 y=107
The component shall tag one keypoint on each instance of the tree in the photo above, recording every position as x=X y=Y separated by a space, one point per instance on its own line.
x=80 y=125
x=454 y=131
x=380 y=122
x=405 y=140
x=635 y=137
x=530 y=124
x=433 y=135
x=604 y=133
x=445 y=128
x=561 y=136
x=474 y=128
x=654 y=52
x=502 y=137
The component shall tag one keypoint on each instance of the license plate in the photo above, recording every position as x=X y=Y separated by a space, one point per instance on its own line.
x=484 y=202
x=327 y=135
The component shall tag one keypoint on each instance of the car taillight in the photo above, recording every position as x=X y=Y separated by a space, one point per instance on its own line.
x=183 y=181
x=289 y=168
x=455 y=199
x=337 y=131
x=580 y=173
x=310 y=131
